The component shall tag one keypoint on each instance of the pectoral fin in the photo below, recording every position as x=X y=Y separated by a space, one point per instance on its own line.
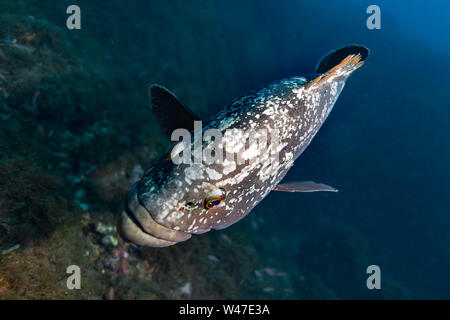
x=169 y=111
x=304 y=186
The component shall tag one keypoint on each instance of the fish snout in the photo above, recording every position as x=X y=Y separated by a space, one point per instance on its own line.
x=137 y=225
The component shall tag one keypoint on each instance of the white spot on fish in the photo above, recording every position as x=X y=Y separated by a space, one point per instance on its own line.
x=213 y=174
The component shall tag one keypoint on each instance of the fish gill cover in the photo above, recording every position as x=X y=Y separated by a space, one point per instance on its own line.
x=76 y=132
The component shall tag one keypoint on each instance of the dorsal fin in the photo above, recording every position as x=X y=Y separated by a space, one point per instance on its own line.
x=169 y=111
x=334 y=57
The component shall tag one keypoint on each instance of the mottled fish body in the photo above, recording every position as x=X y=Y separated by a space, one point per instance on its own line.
x=173 y=201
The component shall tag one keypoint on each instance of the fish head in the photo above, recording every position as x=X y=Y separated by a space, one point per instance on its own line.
x=171 y=202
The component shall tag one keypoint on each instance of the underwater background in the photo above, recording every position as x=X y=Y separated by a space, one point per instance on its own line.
x=76 y=132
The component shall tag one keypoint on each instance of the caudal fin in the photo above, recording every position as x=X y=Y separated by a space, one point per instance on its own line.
x=335 y=57
x=339 y=63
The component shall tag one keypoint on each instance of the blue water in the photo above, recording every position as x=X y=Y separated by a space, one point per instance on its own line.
x=385 y=146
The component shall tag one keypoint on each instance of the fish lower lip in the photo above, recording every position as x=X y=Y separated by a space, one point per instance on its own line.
x=130 y=231
x=137 y=225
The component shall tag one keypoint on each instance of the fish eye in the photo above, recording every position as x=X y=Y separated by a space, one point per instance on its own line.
x=214 y=198
x=212 y=203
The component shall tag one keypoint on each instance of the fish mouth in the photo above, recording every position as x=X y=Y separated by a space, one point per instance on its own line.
x=137 y=225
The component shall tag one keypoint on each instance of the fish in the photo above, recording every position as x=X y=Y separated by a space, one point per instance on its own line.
x=174 y=200
x=186 y=289
x=270 y=271
x=213 y=258
x=226 y=238
x=258 y=274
